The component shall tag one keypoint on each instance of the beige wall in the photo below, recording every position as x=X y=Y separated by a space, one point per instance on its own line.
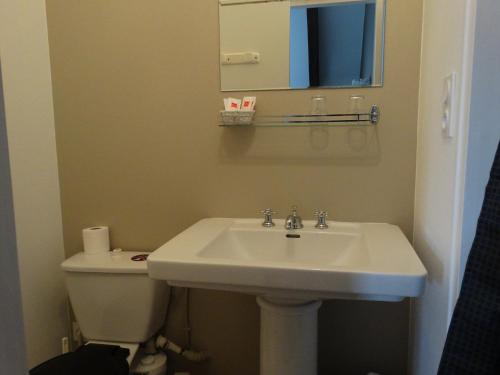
x=29 y=118
x=136 y=88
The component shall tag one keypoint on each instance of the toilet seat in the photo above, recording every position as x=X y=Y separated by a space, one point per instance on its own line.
x=131 y=347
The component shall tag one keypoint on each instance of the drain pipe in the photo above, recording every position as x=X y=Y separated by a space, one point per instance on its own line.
x=192 y=355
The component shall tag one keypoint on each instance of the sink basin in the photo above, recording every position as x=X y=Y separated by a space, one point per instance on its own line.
x=347 y=260
x=291 y=272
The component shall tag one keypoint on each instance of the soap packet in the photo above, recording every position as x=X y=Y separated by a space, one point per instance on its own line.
x=248 y=103
x=232 y=104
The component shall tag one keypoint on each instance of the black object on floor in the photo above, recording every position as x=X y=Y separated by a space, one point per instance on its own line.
x=473 y=342
x=89 y=359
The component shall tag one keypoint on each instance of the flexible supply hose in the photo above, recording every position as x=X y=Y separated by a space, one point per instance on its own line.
x=192 y=355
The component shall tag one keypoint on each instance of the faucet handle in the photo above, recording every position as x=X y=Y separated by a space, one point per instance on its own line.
x=294 y=210
x=268 y=217
x=321 y=215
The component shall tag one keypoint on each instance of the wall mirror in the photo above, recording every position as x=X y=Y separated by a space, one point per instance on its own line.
x=300 y=44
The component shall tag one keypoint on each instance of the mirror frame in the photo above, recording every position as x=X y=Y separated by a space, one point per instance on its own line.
x=301 y=3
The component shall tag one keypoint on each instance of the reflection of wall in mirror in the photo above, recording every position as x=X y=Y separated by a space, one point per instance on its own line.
x=376 y=14
x=256 y=27
x=299 y=48
x=341 y=31
x=379 y=40
x=343 y=42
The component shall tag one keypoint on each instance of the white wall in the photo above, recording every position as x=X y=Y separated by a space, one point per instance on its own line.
x=31 y=138
x=447 y=46
x=12 y=348
x=262 y=28
x=484 y=131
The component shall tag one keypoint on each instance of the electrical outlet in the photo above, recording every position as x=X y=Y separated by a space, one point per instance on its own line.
x=64 y=345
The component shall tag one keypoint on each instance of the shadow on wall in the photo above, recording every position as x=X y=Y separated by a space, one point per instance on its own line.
x=431 y=262
x=337 y=319
x=12 y=343
x=314 y=145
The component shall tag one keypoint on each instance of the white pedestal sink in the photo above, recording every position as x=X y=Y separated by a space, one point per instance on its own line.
x=291 y=272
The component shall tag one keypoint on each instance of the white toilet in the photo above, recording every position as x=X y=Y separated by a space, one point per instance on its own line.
x=114 y=300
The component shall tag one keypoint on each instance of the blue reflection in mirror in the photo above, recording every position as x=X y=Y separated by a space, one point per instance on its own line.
x=332 y=45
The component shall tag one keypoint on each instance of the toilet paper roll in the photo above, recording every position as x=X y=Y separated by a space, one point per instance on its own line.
x=95 y=240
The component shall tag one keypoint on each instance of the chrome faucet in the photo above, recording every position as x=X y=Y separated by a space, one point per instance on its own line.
x=321 y=216
x=268 y=217
x=293 y=221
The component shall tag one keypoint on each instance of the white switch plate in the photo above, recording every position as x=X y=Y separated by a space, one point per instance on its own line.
x=448 y=106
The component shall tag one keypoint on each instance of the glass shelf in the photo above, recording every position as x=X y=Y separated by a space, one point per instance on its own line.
x=340 y=120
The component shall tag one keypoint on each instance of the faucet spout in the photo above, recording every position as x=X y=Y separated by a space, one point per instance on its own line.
x=293 y=221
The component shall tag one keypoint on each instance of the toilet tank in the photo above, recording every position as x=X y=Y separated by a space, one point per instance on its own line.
x=113 y=298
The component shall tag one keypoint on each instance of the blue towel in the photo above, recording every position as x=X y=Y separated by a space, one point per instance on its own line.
x=473 y=342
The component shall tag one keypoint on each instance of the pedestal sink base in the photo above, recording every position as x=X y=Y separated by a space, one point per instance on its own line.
x=288 y=336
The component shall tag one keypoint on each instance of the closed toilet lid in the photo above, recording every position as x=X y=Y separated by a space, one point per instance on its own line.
x=110 y=262
x=131 y=347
